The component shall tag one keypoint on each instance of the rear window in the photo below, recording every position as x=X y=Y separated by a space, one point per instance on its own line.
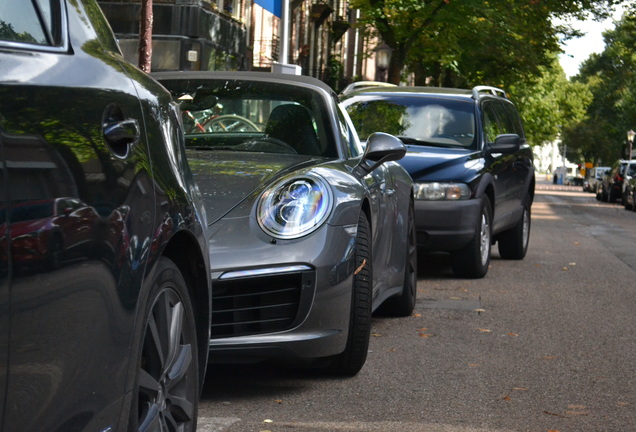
x=33 y=22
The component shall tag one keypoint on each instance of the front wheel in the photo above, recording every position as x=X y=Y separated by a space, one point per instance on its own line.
x=404 y=304
x=513 y=243
x=166 y=388
x=351 y=360
x=472 y=260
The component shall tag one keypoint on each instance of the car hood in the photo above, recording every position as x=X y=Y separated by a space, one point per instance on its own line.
x=226 y=178
x=426 y=163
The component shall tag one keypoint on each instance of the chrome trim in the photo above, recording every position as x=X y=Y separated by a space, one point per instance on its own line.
x=264 y=271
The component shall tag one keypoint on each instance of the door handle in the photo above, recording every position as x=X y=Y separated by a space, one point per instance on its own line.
x=120 y=133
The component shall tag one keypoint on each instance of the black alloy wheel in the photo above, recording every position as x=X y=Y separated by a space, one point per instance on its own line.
x=404 y=304
x=472 y=260
x=167 y=384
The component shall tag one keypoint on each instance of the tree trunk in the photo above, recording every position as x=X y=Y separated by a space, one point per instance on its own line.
x=145 y=36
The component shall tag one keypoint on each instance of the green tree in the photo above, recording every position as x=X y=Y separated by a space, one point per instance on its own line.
x=550 y=103
x=465 y=42
x=611 y=77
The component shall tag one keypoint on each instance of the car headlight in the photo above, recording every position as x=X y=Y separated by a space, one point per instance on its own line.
x=441 y=191
x=294 y=207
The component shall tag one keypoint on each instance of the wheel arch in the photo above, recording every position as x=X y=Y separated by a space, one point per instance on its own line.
x=184 y=251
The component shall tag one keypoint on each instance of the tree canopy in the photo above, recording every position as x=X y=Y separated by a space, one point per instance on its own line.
x=463 y=43
x=611 y=79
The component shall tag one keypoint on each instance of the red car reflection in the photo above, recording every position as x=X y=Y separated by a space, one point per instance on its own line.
x=46 y=232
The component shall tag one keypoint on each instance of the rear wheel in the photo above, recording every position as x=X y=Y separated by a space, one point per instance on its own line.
x=473 y=260
x=166 y=388
x=513 y=243
x=404 y=304
x=351 y=360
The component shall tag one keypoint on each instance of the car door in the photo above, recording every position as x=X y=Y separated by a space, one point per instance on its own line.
x=71 y=126
x=502 y=166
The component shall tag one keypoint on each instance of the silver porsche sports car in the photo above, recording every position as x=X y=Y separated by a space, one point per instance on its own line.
x=309 y=232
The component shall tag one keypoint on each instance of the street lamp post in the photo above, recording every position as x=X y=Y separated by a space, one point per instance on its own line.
x=382 y=60
x=630 y=139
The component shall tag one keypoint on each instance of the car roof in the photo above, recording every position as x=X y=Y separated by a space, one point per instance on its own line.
x=475 y=93
x=301 y=80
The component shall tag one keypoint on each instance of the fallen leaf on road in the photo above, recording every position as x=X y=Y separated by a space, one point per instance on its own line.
x=376 y=334
x=484 y=330
x=553 y=414
x=513 y=334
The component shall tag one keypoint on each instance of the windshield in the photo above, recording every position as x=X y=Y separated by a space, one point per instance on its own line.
x=252 y=116
x=425 y=120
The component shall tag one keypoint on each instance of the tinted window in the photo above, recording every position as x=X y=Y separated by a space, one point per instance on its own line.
x=515 y=119
x=491 y=125
x=505 y=121
x=23 y=21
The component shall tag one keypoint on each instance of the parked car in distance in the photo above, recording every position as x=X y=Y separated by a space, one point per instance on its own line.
x=575 y=181
x=471 y=167
x=612 y=184
x=104 y=270
x=595 y=178
x=308 y=233
x=628 y=195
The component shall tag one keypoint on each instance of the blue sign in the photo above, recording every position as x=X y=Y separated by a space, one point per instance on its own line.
x=273 y=6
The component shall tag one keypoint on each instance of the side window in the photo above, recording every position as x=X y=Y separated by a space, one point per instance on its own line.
x=34 y=22
x=505 y=121
x=491 y=126
x=515 y=119
x=348 y=133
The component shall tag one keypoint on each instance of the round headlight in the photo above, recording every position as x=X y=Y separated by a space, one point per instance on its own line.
x=294 y=207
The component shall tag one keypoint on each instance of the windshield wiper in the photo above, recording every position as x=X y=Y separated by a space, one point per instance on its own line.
x=411 y=140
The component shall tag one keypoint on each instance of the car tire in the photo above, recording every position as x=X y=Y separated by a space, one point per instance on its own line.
x=166 y=388
x=626 y=196
x=404 y=304
x=513 y=243
x=472 y=260
x=351 y=360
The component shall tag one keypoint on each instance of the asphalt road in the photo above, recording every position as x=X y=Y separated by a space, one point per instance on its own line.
x=543 y=344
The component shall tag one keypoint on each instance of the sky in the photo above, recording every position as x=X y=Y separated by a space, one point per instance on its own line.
x=579 y=49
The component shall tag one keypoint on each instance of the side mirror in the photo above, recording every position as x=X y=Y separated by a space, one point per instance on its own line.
x=381 y=147
x=505 y=143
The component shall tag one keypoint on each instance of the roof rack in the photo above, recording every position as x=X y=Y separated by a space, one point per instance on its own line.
x=489 y=90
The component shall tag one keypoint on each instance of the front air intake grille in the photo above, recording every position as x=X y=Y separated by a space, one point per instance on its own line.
x=256 y=305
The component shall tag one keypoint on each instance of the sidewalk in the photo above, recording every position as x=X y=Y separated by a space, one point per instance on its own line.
x=543 y=184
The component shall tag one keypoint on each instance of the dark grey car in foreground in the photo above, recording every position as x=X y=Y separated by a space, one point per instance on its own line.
x=308 y=233
x=472 y=169
x=104 y=275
